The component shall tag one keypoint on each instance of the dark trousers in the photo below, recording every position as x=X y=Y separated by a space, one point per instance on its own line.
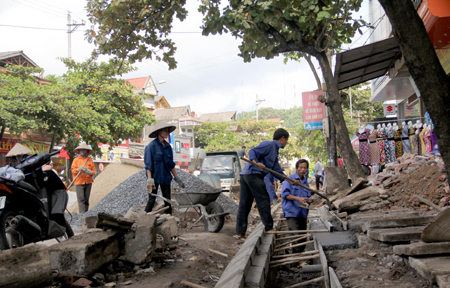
x=318 y=181
x=165 y=189
x=297 y=223
x=253 y=187
x=83 y=194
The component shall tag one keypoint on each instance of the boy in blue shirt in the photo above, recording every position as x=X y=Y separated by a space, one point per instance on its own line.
x=293 y=196
x=252 y=181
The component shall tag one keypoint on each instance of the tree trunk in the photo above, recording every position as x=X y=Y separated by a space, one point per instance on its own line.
x=3 y=130
x=313 y=69
x=424 y=67
x=334 y=102
x=52 y=144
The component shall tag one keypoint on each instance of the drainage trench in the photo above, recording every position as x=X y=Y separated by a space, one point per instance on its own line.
x=265 y=259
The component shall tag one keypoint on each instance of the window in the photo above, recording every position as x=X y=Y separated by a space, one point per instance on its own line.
x=189 y=130
x=183 y=130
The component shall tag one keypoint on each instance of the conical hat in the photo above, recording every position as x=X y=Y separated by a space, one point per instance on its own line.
x=159 y=126
x=83 y=146
x=18 y=149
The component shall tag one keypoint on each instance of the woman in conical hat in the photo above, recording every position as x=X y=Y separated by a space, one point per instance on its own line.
x=158 y=159
x=17 y=154
x=84 y=166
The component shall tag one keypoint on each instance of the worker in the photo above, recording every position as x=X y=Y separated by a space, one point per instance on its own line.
x=252 y=181
x=83 y=170
x=17 y=154
x=318 y=173
x=241 y=153
x=292 y=196
x=158 y=160
x=197 y=171
x=270 y=186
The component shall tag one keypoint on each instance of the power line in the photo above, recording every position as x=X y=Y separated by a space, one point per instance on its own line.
x=37 y=8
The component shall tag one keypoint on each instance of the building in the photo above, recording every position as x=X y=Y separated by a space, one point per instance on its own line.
x=229 y=116
x=146 y=87
x=382 y=61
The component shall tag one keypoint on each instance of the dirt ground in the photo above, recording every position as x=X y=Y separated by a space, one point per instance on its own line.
x=192 y=261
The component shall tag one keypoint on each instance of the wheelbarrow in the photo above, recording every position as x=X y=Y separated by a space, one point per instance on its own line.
x=211 y=212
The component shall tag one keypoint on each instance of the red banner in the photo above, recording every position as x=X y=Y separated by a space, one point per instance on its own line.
x=313 y=110
x=7 y=145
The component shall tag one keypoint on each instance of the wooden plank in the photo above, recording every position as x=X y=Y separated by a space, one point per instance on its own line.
x=292 y=241
x=286 y=262
x=293 y=246
x=290 y=237
x=297 y=231
x=324 y=262
x=319 y=279
x=295 y=254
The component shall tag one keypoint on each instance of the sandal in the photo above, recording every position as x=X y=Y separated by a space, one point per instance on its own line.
x=239 y=236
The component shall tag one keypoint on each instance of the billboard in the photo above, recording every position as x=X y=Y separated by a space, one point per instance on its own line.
x=313 y=110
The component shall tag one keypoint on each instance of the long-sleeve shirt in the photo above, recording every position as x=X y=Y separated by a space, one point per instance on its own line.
x=83 y=178
x=159 y=160
x=267 y=154
x=318 y=168
x=269 y=179
x=290 y=207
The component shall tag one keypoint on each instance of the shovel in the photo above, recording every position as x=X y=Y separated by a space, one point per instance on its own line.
x=296 y=182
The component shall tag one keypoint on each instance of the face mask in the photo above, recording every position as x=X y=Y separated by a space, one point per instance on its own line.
x=83 y=152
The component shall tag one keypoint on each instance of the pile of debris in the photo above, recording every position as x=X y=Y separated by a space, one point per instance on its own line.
x=133 y=193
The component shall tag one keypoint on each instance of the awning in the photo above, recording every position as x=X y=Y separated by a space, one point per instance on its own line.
x=366 y=63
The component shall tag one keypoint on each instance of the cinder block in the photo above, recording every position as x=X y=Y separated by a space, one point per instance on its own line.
x=255 y=277
x=141 y=243
x=84 y=254
x=168 y=229
x=27 y=266
x=231 y=280
x=262 y=261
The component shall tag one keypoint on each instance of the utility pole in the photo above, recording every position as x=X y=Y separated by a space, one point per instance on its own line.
x=257 y=104
x=351 y=105
x=70 y=30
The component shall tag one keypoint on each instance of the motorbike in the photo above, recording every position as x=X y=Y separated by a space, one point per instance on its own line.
x=32 y=209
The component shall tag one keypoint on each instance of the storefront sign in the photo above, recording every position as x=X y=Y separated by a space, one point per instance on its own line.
x=7 y=144
x=101 y=167
x=390 y=109
x=313 y=110
x=35 y=146
x=112 y=155
x=410 y=109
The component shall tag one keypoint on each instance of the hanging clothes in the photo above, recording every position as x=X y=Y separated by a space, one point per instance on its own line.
x=411 y=138
x=391 y=133
x=422 y=142
x=374 y=148
x=364 y=150
x=433 y=140
x=398 y=142
x=427 y=140
x=405 y=140
x=381 y=148
x=416 y=141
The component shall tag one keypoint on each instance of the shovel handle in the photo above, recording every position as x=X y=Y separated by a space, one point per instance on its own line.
x=289 y=179
x=79 y=173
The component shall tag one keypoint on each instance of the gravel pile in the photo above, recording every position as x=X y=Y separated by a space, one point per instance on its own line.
x=133 y=193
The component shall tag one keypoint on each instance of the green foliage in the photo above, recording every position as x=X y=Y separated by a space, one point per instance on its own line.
x=292 y=118
x=87 y=101
x=230 y=136
x=361 y=94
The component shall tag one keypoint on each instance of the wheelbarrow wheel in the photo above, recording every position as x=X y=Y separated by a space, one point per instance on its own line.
x=214 y=224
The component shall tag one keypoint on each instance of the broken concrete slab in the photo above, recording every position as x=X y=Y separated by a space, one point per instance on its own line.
x=337 y=240
x=437 y=230
x=396 y=234
x=168 y=228
x=394 y=221
x=348 y=202
x=141 y=243
x=84 y=254
x=356 y=186
x=421 y=248
x=335 y=177
x=134 y=213
x=431 y=267
x=89 y=222
x=27 y=266
x=443 y=281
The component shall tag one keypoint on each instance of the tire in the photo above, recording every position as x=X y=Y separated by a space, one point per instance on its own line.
x=215 y=224
x=8 y=240
x=69 y=233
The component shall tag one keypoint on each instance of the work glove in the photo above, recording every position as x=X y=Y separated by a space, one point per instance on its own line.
x=87 y=171
x=179 y=182
x=150 y=184
x=82 y=167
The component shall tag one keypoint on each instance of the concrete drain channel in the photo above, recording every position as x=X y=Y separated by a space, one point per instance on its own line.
x=258 y=260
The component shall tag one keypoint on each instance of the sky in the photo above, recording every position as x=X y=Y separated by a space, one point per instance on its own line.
x=210 y=76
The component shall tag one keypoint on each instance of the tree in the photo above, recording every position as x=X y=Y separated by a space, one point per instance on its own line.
x=266 y=28
x=87 y=102
x=424 y=67
x=361 y=94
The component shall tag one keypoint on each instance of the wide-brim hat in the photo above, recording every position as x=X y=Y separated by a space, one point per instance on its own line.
x=83 y=146
x=160 y=126
x=18 y=149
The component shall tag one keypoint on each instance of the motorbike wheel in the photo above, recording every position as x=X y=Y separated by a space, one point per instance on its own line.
x=69 y=233
x=9 y=239
x=214 y=224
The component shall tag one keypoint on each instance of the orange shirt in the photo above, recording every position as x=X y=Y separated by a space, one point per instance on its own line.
x=83 y=178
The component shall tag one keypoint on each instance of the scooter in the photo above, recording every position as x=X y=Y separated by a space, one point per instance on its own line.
x=32 y=210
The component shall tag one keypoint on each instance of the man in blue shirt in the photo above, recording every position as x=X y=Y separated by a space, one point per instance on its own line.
x=292 y=197
x=269 y=179
x=241 y=153
x=252 y=181
x=158 y=160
